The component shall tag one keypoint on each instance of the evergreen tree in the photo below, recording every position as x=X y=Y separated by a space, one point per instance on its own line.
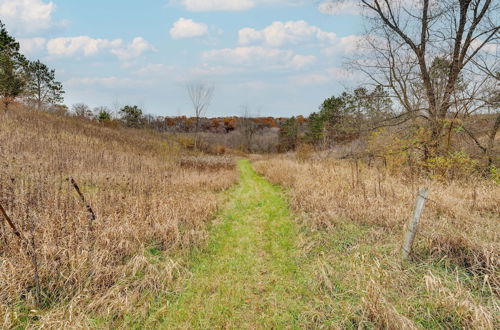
x=12 y=68
x=289 y=134
x=42 y=88
x=103 y=114
x=132 y=116
x=315 y=129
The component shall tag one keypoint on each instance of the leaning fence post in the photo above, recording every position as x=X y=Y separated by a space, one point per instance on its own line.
x=92 y=216
x=414 y=220
x=10 y=222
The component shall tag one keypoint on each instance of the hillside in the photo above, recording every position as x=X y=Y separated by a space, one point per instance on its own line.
x=167 y=241
x=145 y=203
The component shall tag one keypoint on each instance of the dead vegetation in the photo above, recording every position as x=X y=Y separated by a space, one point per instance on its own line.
x=359 y=213
x=208 y=163
x=68 y=268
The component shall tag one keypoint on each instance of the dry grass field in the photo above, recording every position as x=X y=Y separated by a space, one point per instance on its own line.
x=334 y=262
x=357 y=216
x=151 y=198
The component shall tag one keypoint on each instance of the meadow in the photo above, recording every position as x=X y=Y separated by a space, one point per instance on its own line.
x=151 y=198
x=168 y=236
x=356 y=216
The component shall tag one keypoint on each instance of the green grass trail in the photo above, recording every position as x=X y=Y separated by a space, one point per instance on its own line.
x=249 y=275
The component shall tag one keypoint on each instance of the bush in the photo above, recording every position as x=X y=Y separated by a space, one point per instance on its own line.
x=304 y=152
x=452 y=166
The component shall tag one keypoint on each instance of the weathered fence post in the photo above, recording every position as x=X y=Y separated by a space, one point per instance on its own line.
x=10 y=222
x=414 y=220
x=92 y=216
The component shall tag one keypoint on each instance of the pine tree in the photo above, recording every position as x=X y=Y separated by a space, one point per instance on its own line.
x=289 y=134
x=12 y=68
x=42 y=88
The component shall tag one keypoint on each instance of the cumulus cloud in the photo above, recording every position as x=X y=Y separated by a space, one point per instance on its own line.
x=109 y=82
x=229 y=5
x=215 y=70
x=187 y=28
x=32 y=45
x=301 y=61
x=257 y=56
x=342 y=74
x=246 y=55
x=329 y=75
x=155 y=70
x=310 y=79
x=346 y=45
x=80 y=45
x=27 y=16
x=87 y=46
x=281 y=33
x=136 y=48
x=215 y=5
x=332 y=7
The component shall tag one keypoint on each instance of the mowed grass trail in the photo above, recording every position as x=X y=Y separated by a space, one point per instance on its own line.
x=249 y=276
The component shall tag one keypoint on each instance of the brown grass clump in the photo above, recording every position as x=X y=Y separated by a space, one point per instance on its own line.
x=361 y=213
x=208 y=163
x=146 y=206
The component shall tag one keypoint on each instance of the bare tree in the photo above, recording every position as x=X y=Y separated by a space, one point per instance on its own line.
x=406 y=39
x=248 y=128
x=201 y=95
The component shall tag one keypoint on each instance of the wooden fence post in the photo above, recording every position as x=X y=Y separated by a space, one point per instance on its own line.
x=10 y=222
x=414 y=220
x=92 y=216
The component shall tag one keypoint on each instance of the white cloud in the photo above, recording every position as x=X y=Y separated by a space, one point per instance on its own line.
x=301 y=61
x=248 y=55
x=230 y=5
x=32 y=45
x=27 y=16
x=212 y=70
x=281 y=33
x=332 y=7
x=330 y=74
x=213 y=5
x=261 y=57
x=134 y=49
x=88 y=46
x=108 y=82
x=310 y=79
x=341 y=74
x=187 y=28
x=491 y=47
x=155 y=70
x=346 y=45
x=80 y=45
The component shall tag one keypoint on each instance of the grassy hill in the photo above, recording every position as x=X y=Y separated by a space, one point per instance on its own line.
x=147 y=201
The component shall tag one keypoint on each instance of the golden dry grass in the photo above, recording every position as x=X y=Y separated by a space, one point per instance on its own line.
x=147 y=206
x=360 y=214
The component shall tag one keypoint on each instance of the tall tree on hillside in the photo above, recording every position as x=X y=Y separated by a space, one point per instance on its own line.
x=201 y=96
x=132 y=116
x=289 y=134
x=315 y=129
x=404 y=38
x=42 y=88
x=12 y=68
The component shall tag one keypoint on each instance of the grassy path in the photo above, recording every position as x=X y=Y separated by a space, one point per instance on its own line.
x=249 y=276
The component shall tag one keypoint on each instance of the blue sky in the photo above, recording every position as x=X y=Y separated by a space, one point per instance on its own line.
x=277 y=57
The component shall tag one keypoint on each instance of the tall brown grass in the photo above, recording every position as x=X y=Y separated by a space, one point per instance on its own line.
x=458 y=232
x=147 y=206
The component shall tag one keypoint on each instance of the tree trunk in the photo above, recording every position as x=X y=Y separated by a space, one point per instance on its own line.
x=491 y=139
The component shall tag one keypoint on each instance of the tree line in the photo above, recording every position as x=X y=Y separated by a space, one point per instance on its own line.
x=32 y=81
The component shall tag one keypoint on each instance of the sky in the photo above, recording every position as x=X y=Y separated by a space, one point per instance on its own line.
x=275 y=57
